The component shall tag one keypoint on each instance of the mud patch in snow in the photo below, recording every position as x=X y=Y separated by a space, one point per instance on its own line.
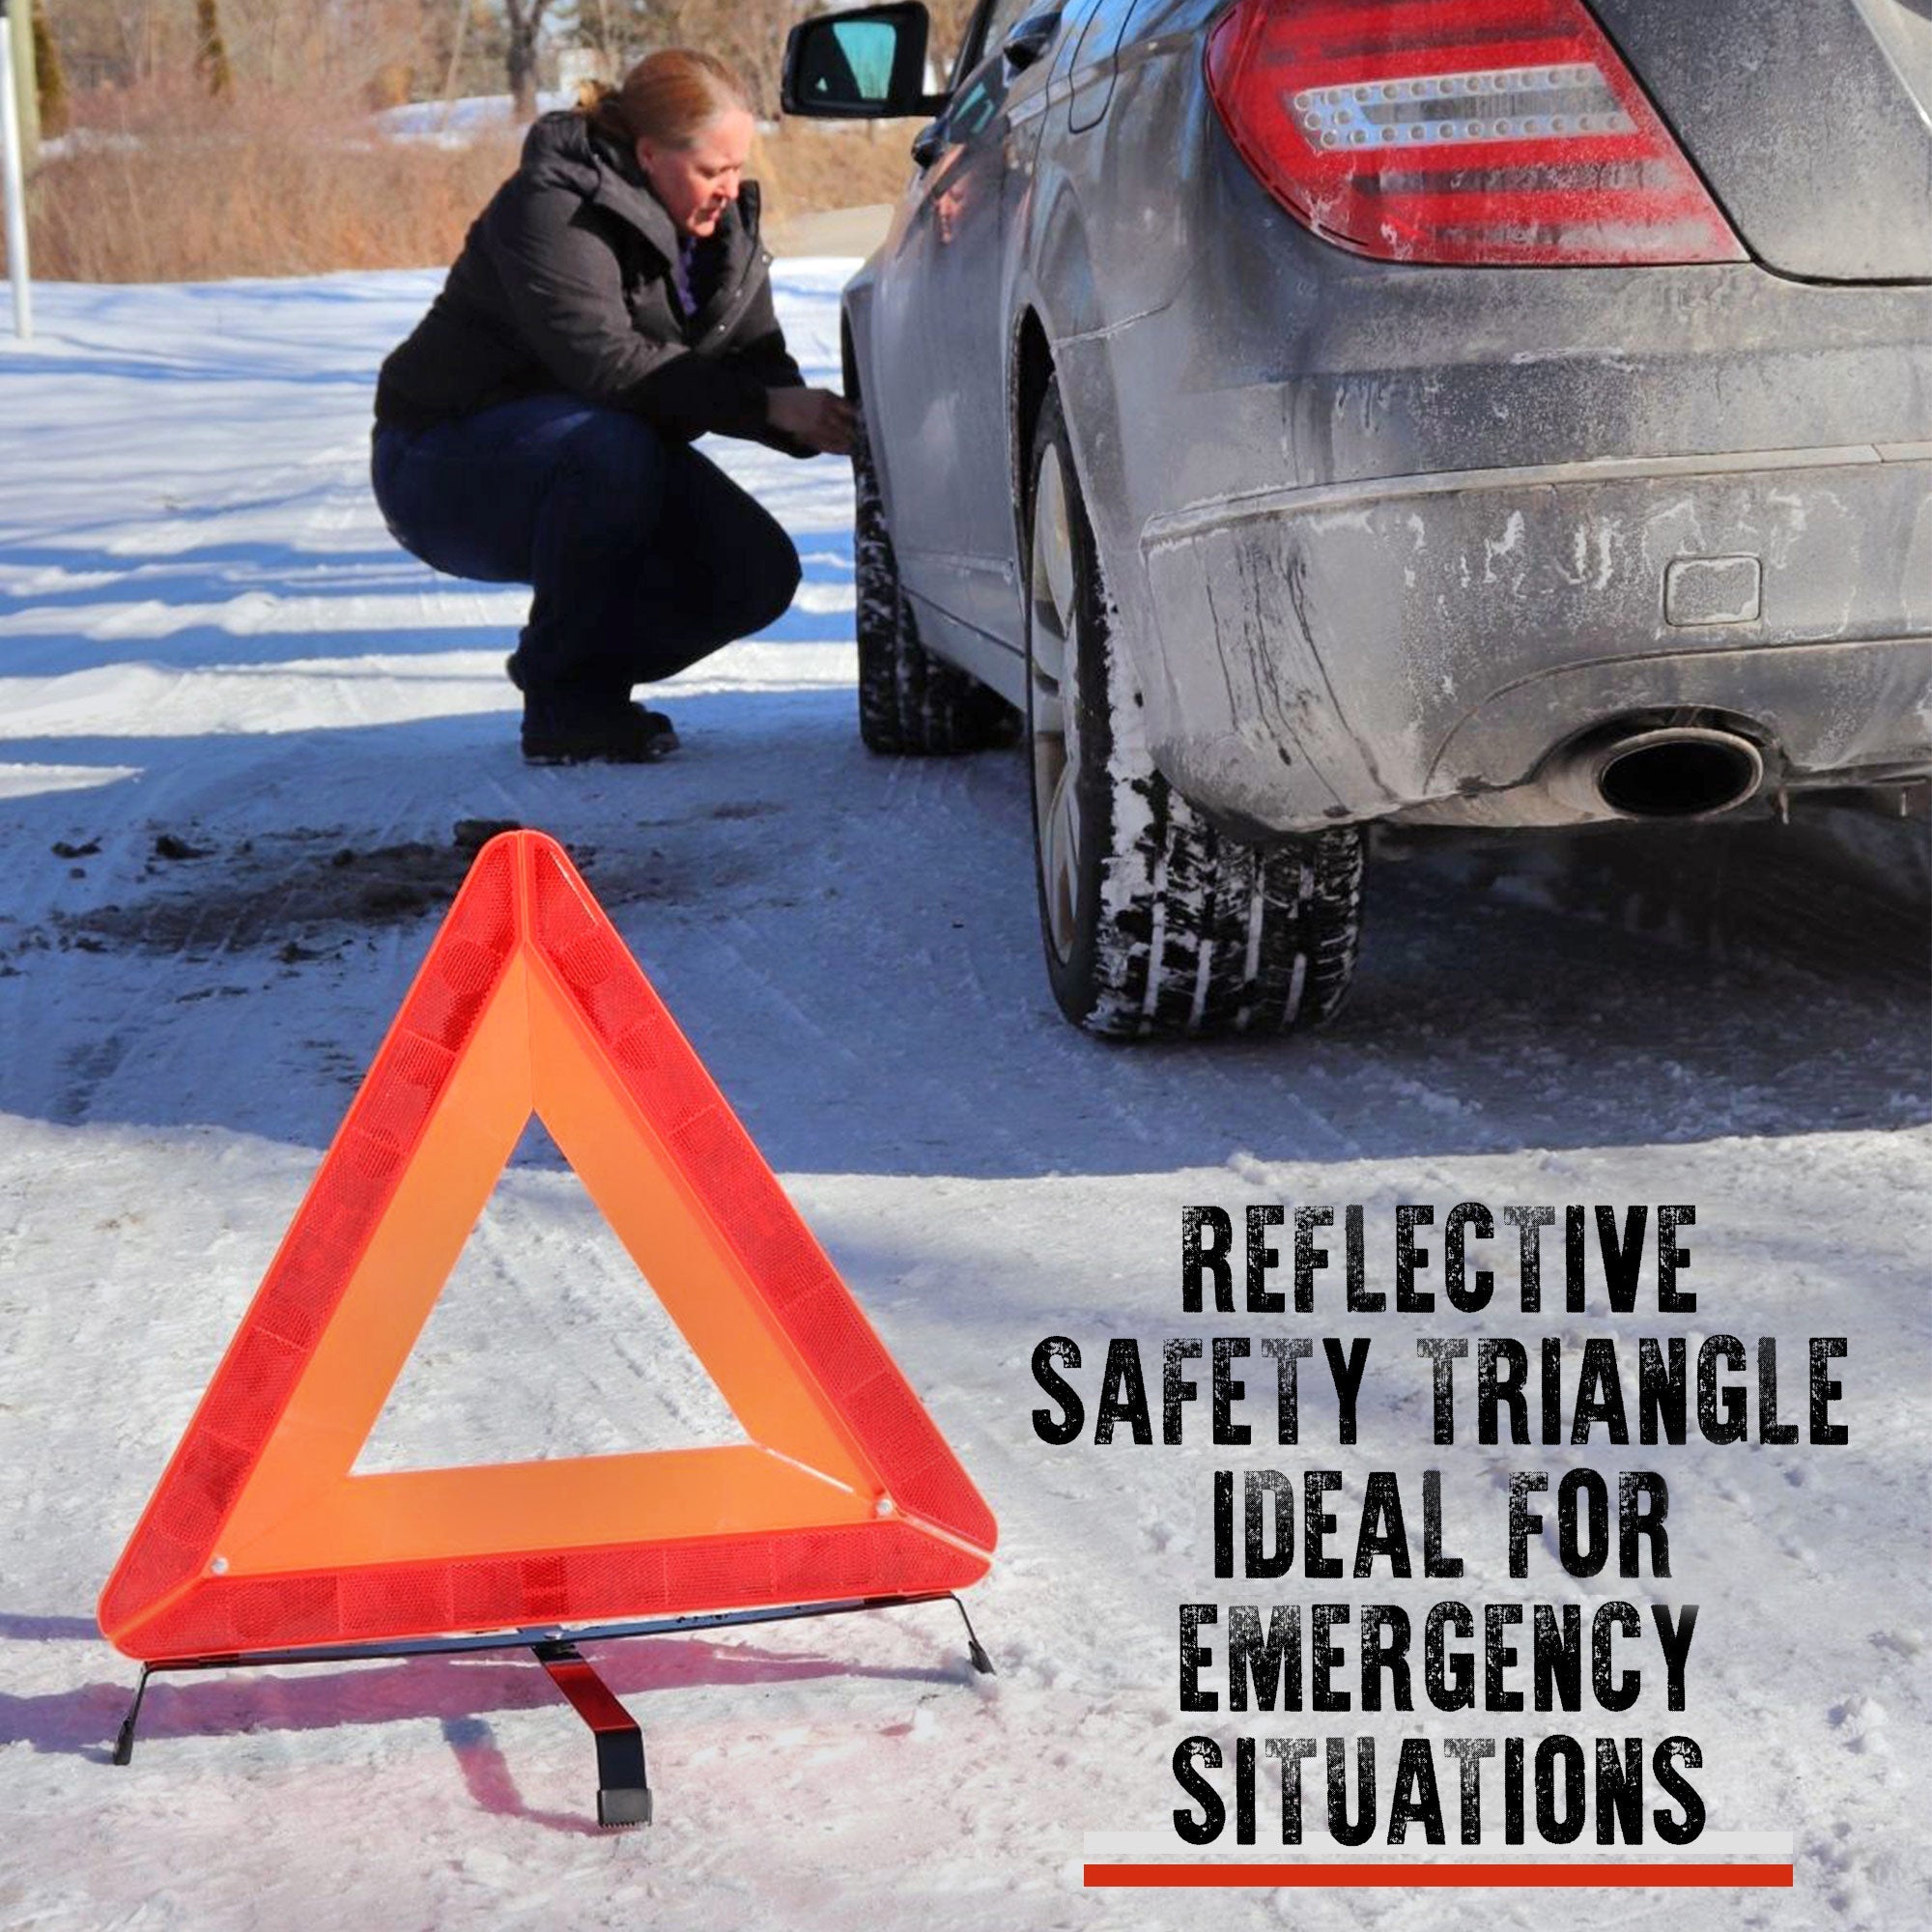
x=294 y=891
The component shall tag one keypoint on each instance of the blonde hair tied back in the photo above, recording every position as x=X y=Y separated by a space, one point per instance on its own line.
x=666 y=99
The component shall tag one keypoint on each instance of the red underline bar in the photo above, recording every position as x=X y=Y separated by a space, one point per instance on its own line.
x=1605 y=1873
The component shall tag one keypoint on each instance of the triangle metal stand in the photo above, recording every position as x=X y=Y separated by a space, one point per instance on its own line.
x=623 y=1785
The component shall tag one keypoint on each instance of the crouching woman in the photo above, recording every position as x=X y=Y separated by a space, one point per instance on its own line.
x=610 y=305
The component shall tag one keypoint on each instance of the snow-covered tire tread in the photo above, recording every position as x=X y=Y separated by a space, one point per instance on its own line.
x=910 y=704
x=1182 y=930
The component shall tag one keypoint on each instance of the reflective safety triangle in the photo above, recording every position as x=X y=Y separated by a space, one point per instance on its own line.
x=261 y=1537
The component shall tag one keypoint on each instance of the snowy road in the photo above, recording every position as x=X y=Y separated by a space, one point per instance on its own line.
x=236 y=730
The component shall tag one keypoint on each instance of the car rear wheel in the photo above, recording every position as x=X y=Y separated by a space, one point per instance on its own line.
x=909 y=701
x=1155 y=921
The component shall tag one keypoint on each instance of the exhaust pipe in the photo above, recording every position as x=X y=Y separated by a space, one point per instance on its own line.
x=1671 y=771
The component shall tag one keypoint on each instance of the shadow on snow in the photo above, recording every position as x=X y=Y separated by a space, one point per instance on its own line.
x=851 y=945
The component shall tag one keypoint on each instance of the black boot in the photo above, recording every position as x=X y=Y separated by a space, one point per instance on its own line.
x=573 y=734
x=565 y=725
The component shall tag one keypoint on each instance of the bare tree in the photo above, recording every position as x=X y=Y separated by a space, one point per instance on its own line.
x=948 y=29
x=748 y=35
x=211 y=54
x=523 y=20
x=49 y=74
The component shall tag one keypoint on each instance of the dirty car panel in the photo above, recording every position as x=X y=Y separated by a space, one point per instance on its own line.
x=1505 y=411
x=1389 y=535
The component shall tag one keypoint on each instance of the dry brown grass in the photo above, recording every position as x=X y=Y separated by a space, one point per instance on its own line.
x=807 y=166
x=163 y=185
x=158 y=187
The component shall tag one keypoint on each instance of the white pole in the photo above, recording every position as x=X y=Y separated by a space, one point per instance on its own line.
x=15 y=198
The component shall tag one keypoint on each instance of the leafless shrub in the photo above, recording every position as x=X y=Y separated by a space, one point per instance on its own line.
x=809 y=165
x=160 y=183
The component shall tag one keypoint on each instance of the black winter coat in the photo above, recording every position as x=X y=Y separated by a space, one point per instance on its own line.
x=564 y=283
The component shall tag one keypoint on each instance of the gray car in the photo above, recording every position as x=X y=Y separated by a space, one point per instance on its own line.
x=1298 y=414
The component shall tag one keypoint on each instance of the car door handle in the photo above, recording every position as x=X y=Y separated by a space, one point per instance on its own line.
x=1030 y=40
x=930 y=143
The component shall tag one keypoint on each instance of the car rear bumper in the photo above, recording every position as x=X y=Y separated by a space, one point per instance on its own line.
x=1364 y=650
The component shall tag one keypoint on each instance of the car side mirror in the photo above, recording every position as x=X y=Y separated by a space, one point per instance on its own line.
x=865 y=65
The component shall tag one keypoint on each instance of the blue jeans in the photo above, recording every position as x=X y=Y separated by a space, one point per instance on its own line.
x=644 y=556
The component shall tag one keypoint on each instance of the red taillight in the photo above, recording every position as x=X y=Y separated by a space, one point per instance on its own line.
x=1458 y=130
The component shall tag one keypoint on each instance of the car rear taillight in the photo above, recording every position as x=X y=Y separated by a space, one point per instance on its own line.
x=1458 y=130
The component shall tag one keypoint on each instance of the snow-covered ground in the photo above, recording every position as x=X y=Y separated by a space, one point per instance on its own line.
x=239 y=727
x=459 y=121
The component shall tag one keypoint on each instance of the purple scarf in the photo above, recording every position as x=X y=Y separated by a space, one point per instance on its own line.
x=680 y=275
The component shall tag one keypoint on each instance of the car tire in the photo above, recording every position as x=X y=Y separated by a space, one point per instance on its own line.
x=1154 y=923
x=910 y=701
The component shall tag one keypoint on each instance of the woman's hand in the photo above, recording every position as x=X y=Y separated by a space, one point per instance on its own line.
x=815 y=418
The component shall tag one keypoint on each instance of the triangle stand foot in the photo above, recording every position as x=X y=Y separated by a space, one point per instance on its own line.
x=623 y=1786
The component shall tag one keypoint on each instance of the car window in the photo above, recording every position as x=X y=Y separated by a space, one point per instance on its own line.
x=1003 y=18
x=995 y=20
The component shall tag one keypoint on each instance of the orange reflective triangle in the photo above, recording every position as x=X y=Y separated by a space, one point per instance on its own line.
x=260 y=1535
